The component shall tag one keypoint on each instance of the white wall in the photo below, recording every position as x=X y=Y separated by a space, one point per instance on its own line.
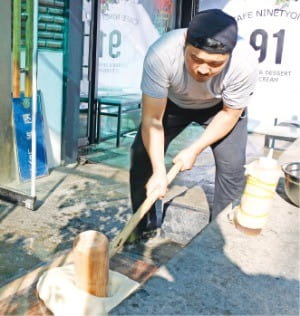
x=50 y=82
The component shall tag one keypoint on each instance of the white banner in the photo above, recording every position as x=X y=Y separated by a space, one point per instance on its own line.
x=127 y=29
x=272 y=27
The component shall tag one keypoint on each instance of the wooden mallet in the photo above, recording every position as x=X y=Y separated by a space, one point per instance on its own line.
x=92 y=250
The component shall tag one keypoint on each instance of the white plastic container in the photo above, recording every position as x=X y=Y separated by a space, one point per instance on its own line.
x=262 y=178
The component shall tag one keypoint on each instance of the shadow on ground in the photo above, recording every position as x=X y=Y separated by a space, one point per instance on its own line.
x=202 y=280
x=15 y=250
x=105 y=220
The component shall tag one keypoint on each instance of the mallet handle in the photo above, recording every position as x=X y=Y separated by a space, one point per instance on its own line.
x=119 y=240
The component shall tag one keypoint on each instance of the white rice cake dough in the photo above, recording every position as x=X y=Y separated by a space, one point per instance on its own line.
x=57 y=289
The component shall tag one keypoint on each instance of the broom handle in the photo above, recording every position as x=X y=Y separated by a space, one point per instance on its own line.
x=33 y=86
x=119 y=240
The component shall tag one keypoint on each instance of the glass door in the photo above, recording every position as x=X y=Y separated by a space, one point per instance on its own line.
x=126 y=30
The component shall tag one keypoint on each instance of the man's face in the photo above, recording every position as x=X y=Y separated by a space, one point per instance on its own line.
x=202 y=65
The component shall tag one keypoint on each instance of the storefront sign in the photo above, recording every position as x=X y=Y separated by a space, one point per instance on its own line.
x=22 y=122
x=272 y=28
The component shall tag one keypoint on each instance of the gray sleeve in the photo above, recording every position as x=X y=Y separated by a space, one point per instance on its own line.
x=155 y=81
x=240 y=85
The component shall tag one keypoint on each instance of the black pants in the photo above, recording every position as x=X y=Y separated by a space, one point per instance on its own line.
x=229 y=155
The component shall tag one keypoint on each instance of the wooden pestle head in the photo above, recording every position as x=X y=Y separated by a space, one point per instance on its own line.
x=91 y=262
x=90 y=239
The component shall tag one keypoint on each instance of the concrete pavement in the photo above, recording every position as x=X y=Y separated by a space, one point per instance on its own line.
x=95 y=196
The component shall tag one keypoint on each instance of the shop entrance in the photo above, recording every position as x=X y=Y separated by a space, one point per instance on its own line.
x=117 y=34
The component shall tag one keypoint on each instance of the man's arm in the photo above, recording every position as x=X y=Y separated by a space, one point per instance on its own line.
x=153 y=138
x=220 y=126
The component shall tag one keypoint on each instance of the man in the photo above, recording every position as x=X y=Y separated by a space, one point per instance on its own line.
x=202 y=74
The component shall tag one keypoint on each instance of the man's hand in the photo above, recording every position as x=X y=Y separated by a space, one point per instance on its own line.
x=187 y=158
x=159 y=182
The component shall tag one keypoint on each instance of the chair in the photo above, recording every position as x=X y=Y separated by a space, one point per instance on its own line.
x=115 y=106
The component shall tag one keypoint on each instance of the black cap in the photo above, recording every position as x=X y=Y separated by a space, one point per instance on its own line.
x=216 y=25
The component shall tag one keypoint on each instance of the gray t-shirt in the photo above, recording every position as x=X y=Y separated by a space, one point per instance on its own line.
x=165 y=75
